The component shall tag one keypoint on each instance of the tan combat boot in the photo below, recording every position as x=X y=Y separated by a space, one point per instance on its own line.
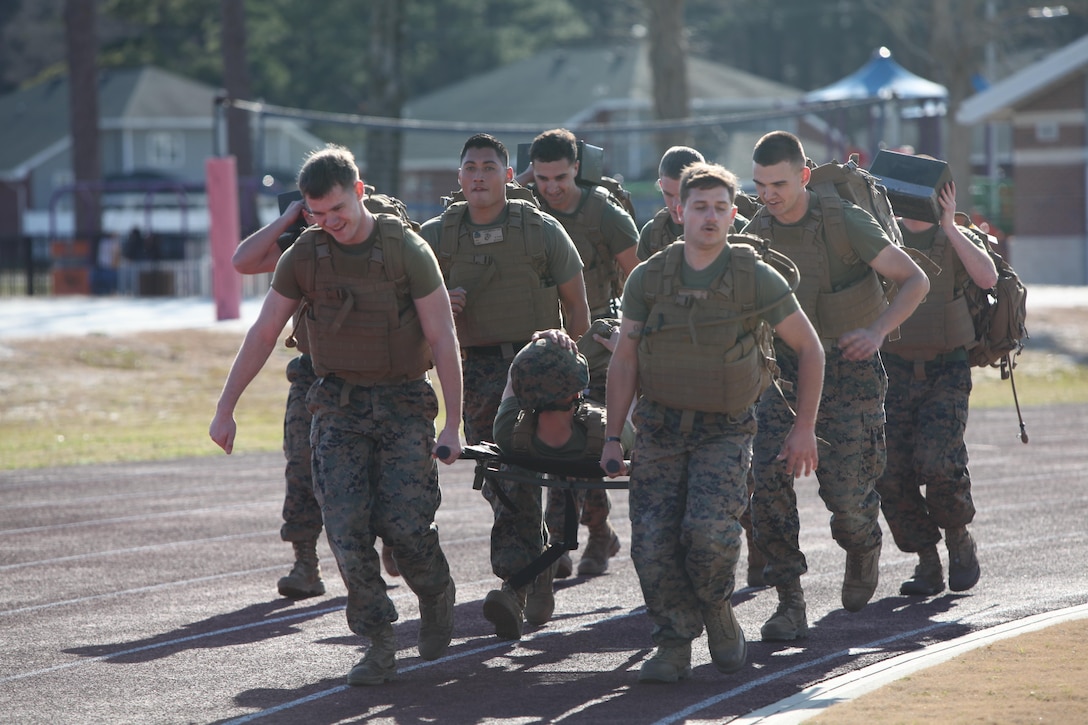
x=862 y=576
x=603 y=544
x=436 y=623
x=505 y=609
x=928 y=576
x=788 y=621
x=963 y=568
x=305 y=577
x=669 y=664
x=379 y=665
x=728 y=649
x=540 y=598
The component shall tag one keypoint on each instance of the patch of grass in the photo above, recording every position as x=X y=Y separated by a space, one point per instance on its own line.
x=1041 y=379
x=99 y=399
x=103 y=398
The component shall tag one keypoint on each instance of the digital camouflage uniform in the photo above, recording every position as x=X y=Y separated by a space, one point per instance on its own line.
x=375 y=477
x=598 y=242
x=656 y=234
x=517 y=536
x=689 y=472
x=927 y=406
x=593 y=505
x=851 y=415
x=371 y=441
x=301 y=512
x=851 y=421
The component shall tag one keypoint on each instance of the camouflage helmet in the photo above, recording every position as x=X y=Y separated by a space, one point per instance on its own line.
x=544 y=375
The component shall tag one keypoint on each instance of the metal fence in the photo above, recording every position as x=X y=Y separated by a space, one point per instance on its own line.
x=41 y=267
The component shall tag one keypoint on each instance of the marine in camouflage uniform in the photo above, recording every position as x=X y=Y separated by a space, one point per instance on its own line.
x=693 y=445
x=373 y=408
x=841 y=294
x=258 y=253
x=593 y=505
x=606 y=237
x=543 y=416
x=662 y=230
x=474 y=240
x=929 y=388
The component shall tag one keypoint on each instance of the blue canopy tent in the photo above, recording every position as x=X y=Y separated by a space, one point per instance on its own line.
x=882 y=78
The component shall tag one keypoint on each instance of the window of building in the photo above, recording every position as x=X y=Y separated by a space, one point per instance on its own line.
x=165 y=150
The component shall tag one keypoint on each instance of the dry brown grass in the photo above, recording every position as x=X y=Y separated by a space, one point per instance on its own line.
x=100 y=398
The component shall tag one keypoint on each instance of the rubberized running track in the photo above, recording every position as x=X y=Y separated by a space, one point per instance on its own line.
x=146 y=593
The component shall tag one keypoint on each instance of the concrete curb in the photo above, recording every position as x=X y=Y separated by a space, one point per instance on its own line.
x=813 y=700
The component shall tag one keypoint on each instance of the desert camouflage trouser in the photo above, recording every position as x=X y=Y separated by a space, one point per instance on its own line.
x=851 y=421
x=374 y=477
x=687 y=492
x=926 y=422
x=301 y=514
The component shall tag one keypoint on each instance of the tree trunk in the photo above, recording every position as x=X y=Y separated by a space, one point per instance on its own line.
x=82 y=42
x=668 y=63
x=956 y=53
x=386 y=97
x=239 y=137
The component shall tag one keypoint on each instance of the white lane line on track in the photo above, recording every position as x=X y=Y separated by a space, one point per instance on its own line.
x=137 y=549
x=170 y=643
x=139 y=590
x=817 y=698
x=140 y=517
x=214 y=633
x=185 y=582
x=128 y=496
x=502 y=644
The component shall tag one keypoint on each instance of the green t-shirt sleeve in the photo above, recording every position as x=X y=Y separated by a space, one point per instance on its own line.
x=431 y=231
x=503 y=428
x=634 y=301
x=644 y=241
x=564 y=263
x=772 y=286
x=284 y=279
x=618 y=229
x=866 y=235
x=420 y=266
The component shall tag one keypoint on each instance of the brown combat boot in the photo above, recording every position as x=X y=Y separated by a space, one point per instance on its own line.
x=603 y=544
x=436 y=623
x=505 y=608
x=305 y=577
x=928 y=576
x=669 y=664
x=379 y=665
x=540 y=598
x=728 y=649
x=789 y=621
x=862 y=576
x=963 y=568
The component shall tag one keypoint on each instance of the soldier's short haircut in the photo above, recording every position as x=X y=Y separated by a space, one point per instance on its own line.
x=554 y=145
x=675 y=160
x=778 y=146
x=702 y=175
x=327 y=168
x=486 y=141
